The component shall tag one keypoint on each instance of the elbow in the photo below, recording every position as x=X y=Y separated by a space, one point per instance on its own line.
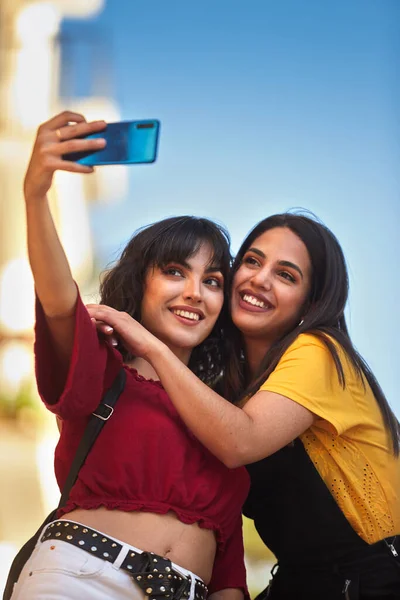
x=55 y=314
x=235 y=463
x=59 y=307
x=234 y=458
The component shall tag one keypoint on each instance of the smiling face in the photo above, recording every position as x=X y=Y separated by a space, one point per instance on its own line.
x=271 y=286
x=182 y=302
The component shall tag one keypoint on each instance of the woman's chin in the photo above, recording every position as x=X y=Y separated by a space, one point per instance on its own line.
x=184 y=341
x=248 y=322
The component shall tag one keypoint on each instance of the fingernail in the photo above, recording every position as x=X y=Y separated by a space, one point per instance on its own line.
x=108 y=329
x=100 y=142
x=114 y=343
x=93 y=320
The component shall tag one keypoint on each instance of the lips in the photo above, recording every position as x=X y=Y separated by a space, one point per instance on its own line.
x=188 y=314
x=254 y=302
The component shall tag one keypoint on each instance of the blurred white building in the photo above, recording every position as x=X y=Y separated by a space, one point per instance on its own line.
x=29 y=94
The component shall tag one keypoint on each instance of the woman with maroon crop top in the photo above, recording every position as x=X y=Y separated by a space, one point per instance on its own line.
x=153 y=513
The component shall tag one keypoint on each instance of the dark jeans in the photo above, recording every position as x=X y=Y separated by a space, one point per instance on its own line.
x=374 y=574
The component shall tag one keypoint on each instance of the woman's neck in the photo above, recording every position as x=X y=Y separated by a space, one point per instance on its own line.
x=255 y=350
x=145 y=369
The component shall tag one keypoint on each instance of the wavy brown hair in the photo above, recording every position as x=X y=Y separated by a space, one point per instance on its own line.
x=323 y=315
x=172 y=240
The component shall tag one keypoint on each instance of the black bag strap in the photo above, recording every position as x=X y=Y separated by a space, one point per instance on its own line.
x=95 y=425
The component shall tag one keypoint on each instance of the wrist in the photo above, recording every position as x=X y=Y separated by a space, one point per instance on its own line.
x=156 y=351
x=33 y=199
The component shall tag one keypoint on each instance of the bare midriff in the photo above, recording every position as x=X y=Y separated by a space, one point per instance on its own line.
x=189 y=546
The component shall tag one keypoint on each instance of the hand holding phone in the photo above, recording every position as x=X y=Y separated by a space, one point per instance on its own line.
x=55 y=137
x=127 y=142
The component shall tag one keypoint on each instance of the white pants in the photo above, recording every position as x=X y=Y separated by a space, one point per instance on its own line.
x=59 y=571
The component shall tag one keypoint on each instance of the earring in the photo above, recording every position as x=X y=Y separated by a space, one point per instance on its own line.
x=301 y=323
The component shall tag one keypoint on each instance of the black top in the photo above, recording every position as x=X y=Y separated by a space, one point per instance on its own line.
x=294 y=512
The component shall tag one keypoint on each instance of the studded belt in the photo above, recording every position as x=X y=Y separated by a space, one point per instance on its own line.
x=154 y=574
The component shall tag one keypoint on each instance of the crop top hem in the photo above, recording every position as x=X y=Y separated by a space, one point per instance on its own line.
x=139 y=377
x=156 y=507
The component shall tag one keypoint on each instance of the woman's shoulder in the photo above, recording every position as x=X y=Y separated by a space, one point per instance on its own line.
x=311 y=338
x=319 y=352
x=319 y=341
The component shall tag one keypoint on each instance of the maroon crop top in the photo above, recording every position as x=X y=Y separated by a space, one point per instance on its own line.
x=145 y=457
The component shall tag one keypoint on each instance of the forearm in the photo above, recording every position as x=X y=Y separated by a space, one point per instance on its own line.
x=53 y=280
x=223 y=428
x=54 y=284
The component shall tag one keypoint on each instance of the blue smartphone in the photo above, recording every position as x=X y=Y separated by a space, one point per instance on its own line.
x=128 y=143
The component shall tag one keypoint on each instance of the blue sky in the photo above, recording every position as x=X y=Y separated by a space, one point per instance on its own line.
x=267 y=105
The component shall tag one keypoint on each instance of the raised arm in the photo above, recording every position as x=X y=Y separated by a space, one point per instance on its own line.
x=54 y=284
x=268 y=422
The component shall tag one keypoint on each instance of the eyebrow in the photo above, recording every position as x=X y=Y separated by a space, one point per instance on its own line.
x=214 y=269
x=209 y=269
x=283 y=263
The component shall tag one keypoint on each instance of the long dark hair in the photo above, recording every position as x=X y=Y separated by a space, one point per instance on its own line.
x=172 y=240
x=323 y=314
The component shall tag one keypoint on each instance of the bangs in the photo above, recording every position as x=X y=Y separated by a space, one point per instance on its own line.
x=180 y=239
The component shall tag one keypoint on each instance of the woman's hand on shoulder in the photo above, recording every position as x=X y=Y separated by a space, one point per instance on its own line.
x=57 y=137
x=117 y=325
